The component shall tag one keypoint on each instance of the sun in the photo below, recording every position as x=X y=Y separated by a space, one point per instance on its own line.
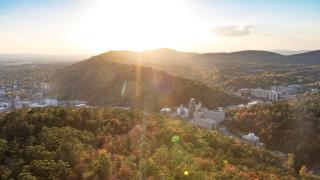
x=137 y=25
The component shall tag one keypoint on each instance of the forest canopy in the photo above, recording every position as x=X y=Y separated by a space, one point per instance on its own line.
x=104 y=143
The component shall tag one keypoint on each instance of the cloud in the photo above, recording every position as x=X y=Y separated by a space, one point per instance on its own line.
x=233 y=30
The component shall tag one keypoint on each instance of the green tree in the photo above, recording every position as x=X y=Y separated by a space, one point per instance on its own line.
x=101 y=167
x=26 y=176
x=49 y=169
x=3 y=147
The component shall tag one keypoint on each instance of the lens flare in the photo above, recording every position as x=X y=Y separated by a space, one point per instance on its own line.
x=186 y=173
x=175 y=139
x=123 y=90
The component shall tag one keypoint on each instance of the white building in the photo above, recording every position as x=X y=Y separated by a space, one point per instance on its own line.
x=201 y=114
x=192 y=107
x=260 y=93
x=182 y=112
x=315 y=90
x=81 y=105
x=251 y=137
x=288 y=96
x=165 y=111
x=201 y=118
x=274 y=96
x=44 y=87
x=77 y=102
x=241 y=106
x=199 y=106
x=17 y=103
x=253 y=103
x=265 y=94
x=206 y=118
x=287 y=92
x=283 y=89
x=37 y=105
x=2 y=92
x=218 y=115
x=51 y=102
x=4 y=106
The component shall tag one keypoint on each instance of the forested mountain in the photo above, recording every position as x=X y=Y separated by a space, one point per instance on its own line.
x=249 y=56
x=288 y=127
x=108 y=83
x=312 y=57
x=102 y=143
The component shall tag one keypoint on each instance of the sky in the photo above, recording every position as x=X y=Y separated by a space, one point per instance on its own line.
x=96 y=26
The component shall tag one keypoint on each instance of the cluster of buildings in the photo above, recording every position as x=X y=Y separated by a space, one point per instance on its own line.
x=207 y=118
x=17 y=103
x=197 y=114
x=275 y=93
x=15 y=95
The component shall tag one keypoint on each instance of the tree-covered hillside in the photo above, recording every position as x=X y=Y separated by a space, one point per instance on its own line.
x=102 y=143
x=289 y=127
x=107 y=83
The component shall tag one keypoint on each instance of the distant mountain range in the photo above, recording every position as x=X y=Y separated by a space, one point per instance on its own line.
x=39 y=58
x=167 y=57
x=312 y=57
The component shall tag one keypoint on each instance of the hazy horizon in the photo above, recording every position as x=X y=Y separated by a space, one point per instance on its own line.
x=279 y=51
